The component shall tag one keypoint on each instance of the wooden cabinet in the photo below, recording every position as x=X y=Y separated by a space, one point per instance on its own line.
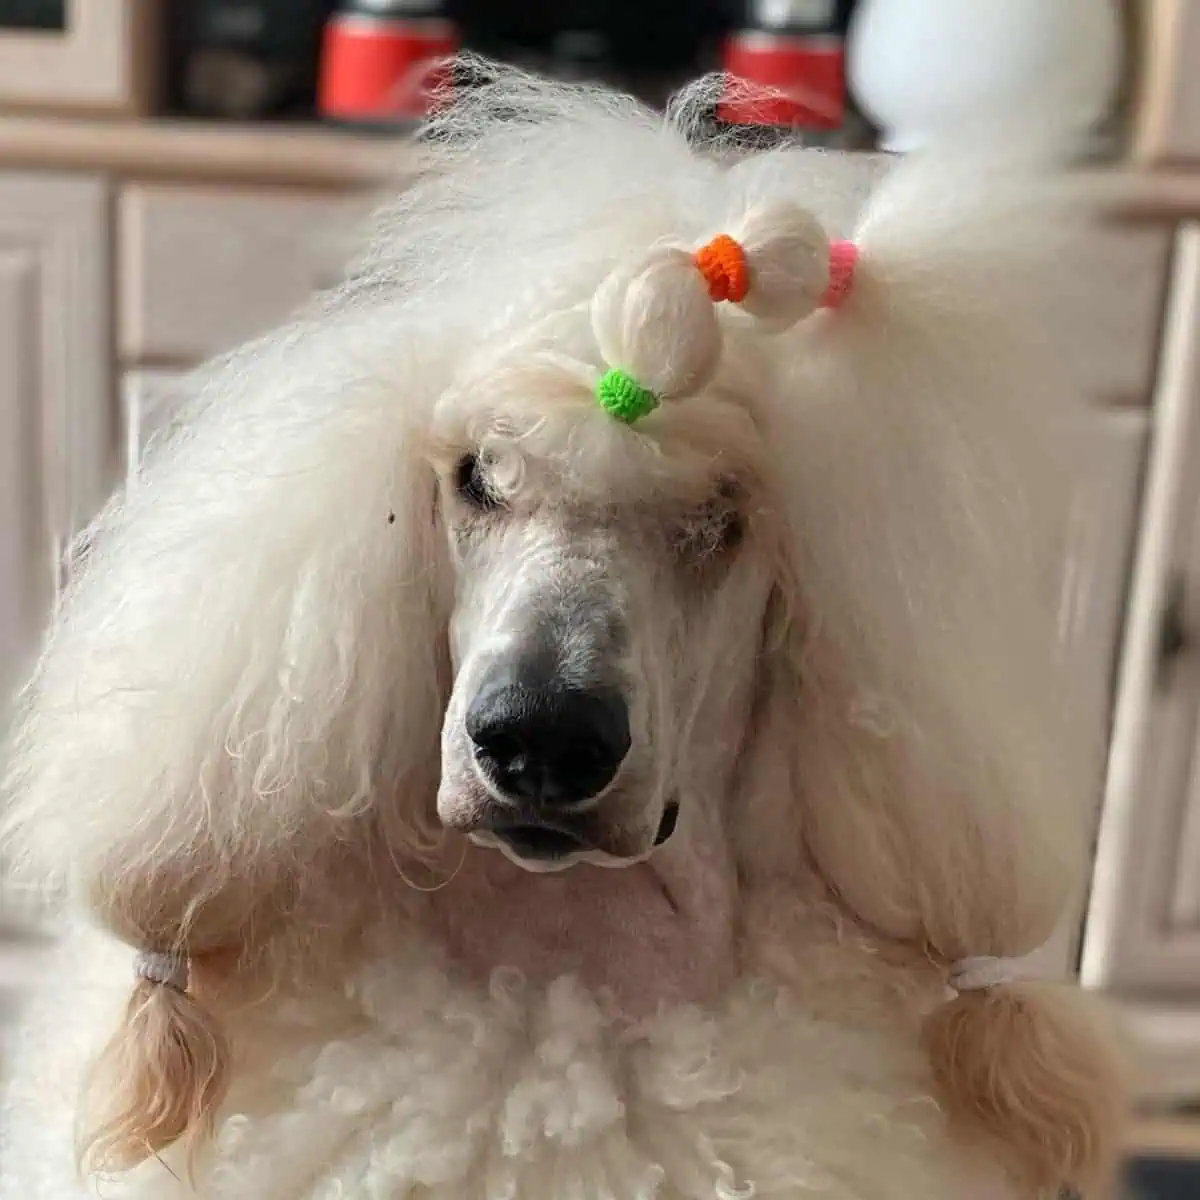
x=56 y=426
x=1111 y=330
x=1167 y=108
x=1143 y=934
x=205 y=268
x=1090 y=550
x=56 y=406
x=102 y=59
x=149 y=402
x=1096 y=540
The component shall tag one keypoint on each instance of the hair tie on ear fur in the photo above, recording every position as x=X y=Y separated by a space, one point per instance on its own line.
x=167 y=970
x=984 y=972
x=843 y=263
x=621 y=396
x=163 y=1075
x=722 y=262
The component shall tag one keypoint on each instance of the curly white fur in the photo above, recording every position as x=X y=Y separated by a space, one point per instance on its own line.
x=417 y=1087
x=234 y=741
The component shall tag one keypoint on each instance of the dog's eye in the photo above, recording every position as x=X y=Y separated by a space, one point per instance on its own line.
x=727 y=512
x=722 y=530
x=470 y=482
x=713 y=532
x=733 y=531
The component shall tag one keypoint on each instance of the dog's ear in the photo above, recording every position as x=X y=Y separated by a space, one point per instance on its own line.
x=941 y=772
x=244 y=683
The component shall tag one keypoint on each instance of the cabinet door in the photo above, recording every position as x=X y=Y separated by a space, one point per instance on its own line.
x=1094 y=549
x=205 y=268
x=56 y=410
x=1166 y=117
x=56 y=432
x=1090 y=552
x=149 y=403
x=1143 y=933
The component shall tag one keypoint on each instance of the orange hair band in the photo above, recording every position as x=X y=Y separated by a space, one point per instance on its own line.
x=722 y=262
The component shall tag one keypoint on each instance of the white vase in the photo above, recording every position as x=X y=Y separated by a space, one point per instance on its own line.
x=920 y=68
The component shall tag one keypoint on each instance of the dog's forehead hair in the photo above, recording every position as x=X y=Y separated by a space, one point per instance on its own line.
x=634 y=480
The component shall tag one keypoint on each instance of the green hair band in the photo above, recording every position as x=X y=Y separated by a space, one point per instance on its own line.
x=621 y=396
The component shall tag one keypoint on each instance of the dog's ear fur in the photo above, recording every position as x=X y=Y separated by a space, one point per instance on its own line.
x=247 y=678
x=941 y=775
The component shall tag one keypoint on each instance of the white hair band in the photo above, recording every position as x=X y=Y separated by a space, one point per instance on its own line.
x=983 y=972
x=976 y=974
x=167 y=970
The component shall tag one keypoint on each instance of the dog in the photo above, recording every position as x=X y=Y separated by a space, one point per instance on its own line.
x=576 y=712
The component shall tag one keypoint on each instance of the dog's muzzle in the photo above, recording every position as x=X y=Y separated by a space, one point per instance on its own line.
x=548 y=753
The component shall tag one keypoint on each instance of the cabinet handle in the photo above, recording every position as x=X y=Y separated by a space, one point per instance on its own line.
x=1173 y=637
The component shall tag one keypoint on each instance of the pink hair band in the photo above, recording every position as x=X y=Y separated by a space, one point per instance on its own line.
x=843 y=264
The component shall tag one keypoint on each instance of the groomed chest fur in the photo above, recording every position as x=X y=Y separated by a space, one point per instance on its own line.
x=426 y=1088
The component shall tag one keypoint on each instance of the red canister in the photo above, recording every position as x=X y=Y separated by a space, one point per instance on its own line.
x=380 y=63
x=791 y=57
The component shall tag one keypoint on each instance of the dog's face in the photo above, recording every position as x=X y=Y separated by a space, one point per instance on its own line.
x=598 y=638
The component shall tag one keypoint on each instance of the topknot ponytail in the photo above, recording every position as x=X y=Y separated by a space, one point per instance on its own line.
x=787 y=260
x=654 y=317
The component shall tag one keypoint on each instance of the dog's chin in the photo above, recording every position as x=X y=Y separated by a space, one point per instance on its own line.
x=562 y=861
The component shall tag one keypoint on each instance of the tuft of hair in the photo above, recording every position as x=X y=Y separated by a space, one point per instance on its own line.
x=1030 y=1068
x=160 y=1080
x=787 y=254
x=653 y=317
x=1020 y=1063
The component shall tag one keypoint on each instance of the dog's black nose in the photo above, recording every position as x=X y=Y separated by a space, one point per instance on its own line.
x=548 y=746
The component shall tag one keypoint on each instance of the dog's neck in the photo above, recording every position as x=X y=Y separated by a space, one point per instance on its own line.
x=732 y=892
x=671 y=929
x=662 y=931
x=659 y=931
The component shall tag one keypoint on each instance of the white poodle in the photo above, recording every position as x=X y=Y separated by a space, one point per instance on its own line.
x=609 y=516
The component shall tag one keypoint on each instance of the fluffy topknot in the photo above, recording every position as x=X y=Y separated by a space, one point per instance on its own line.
x=654 y=316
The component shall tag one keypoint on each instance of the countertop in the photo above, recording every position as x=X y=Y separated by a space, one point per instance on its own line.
x=270 y=154
x=326 y=158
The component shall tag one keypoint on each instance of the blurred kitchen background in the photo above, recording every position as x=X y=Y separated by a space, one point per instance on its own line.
x=176 y=177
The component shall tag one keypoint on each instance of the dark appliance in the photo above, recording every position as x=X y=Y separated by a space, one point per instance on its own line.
x=245 y=59
x=46 y=16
